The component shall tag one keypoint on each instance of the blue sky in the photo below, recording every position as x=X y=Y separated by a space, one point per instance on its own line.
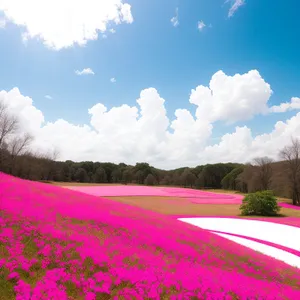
x=151 y=52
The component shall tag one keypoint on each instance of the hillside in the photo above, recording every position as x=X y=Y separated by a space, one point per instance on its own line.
x=67 y=245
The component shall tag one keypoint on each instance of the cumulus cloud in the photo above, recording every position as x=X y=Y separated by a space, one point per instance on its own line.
x=175 y=19
x=201 y=25
x=87 y=71
x=48 y=97
x=113 y=80
x=62 y=24
x=232 y=98
x=287 y=106
x=235 y=5
x=31 y=118
x=144 y=132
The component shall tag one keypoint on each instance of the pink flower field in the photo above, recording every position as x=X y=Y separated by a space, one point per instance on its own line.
x=58 y=243
x=195 y=196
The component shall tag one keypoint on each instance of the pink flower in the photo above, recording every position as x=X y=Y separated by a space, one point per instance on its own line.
x=90 y=296
x=13 y=275
x=23 y=290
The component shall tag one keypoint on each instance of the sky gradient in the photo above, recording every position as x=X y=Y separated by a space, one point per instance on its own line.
x=210 y=78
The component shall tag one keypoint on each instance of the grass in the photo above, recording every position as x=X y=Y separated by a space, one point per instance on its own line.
x=221 y=191
x=181 y=206
x=6 y=286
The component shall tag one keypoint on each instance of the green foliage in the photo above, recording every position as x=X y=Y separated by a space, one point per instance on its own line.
x=116 y=175
x=45 y=169
x=100 y=175
x=6 y=286
x=150 y=180
x=81 y=175
x=30 y=248
x=188 y=178
x=126 y=176
x=167 y=180
x=262 y=203
x=212 y=175
x=229 y=180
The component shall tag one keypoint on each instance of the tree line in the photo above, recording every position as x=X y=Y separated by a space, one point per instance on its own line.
x=18 y=159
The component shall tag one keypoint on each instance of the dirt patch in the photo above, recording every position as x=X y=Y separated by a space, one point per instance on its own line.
x=178 y=206
x=182 y=206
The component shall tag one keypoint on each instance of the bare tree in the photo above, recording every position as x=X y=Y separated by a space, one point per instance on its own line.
x=50 y=162
x=8 y=124
x=291 y=154
x=264 y=165
x=54 y=155
x=246 y=181
x=18 y=146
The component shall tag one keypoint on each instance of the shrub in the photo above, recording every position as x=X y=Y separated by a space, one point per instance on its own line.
x=262 y=203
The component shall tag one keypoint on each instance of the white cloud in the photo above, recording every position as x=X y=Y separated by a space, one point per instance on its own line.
x=235 y=5
x=145 y=133
x=31 y=118
x=2 y=23
x=112 y=30
x=62 y=24
x=175 y=19
x=201 y=25
x=232 y=98
x=48 y=97
x=287 y=106
x=113 y=80
x=87 y=71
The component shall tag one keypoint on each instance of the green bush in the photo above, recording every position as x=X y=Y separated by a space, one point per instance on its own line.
x=260 y=203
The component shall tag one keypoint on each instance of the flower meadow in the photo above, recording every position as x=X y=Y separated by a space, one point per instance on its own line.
x=195 y=196
x=56 y=243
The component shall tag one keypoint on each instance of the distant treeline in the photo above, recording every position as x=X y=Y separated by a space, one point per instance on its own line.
x=231 y=176
x=28 y=166
x=262 y=174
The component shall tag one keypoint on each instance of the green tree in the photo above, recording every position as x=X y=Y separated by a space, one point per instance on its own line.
x=139 y=177
x=229 y=181
x=166 y=180
x=141 y=171
x=116 y=175
x=88 y=166
x=213 y=174
x=100 y=175
x=199 y=183
x=109 y=168
x=126 y=176
x=188 y=178
x=81 y=175
x=150 y=180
